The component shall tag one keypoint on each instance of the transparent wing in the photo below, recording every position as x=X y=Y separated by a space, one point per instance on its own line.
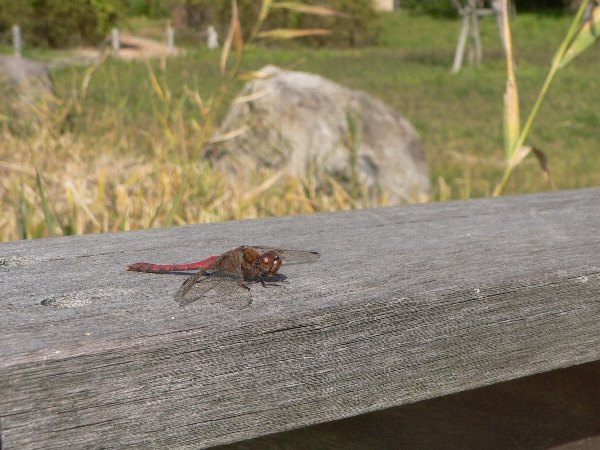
x=237 y=297
x=224 y=277
x=194 y=288
x=231 y=290
x=232 y=293
x=291 y=256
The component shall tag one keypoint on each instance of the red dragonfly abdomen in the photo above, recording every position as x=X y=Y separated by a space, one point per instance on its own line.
x=169 y=268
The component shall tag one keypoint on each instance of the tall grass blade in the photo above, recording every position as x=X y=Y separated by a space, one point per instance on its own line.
x=262 y=15
x=237 y=32
x=235 y=23
x=514 y=155
x=250 y=97
x=155 y=83
x=588 y=34
x=285 y=33
x=511 y=96
x=89 y=72
x=266 y=185
x=121 y=225
x=343 y=198
x=310 y=9
x=541 y=156
x=353 y=145
x=171 y=214
x=254 y=75
x=22 y=215
x=45 y=208
x=511 y=118
x=264 y=10
x=227 y=136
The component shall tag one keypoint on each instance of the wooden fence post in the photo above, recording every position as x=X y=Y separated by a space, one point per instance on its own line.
x=462 y=40
x=212 y=41
x=170 y=41
x=470 y=13
x=475 y=52
x=116 y=44
x=17 y=41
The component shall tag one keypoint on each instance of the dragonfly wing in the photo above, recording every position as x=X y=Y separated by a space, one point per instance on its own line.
x=193 y=288
x=291 y=256
x=229 y=290
x=223 y=275
x=234 y=295
x=225 y=284
x=228 y=284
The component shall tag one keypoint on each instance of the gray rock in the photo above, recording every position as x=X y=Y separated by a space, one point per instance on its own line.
x=29 y=79
x=297 y=120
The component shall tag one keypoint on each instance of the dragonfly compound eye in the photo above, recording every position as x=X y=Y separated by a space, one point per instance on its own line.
x=266 y=261
x=276 y=264
x=270 y=262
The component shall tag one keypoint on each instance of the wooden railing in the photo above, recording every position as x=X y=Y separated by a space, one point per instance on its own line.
x=406 y=304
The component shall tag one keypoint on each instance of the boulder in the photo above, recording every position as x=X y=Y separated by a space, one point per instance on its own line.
x=29 y=80
x=296 y=120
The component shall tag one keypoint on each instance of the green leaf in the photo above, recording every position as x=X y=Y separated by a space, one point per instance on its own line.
x=45 y=208
x=588 y=34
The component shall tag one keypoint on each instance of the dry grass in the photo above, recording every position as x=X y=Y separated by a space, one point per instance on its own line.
x=64 y=174
x=117 y=150
x=95 y=183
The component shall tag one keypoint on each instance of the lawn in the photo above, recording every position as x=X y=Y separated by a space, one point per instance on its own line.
x=114 y=153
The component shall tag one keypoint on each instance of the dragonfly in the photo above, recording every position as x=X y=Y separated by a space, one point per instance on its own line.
x=230 y=274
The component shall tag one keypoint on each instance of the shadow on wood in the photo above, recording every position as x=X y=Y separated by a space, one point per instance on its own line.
x=557 y=410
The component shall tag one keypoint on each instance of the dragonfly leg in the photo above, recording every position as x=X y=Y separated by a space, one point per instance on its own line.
x=278 y=283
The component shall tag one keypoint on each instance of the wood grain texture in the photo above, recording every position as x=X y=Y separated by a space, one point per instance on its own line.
x=556 y=410
x=406 y=303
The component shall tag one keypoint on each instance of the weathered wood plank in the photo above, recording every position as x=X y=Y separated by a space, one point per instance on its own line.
x=407 y=303
x=556 y=410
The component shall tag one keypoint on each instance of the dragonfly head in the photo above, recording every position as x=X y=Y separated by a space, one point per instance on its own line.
x=269 y=263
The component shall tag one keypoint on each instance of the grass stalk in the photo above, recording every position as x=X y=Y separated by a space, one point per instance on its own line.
x=177 y=201
x=108 y=164
x=514 y=151
x=47 y=214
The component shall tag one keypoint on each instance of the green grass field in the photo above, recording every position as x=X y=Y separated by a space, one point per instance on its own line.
x=121 y=121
